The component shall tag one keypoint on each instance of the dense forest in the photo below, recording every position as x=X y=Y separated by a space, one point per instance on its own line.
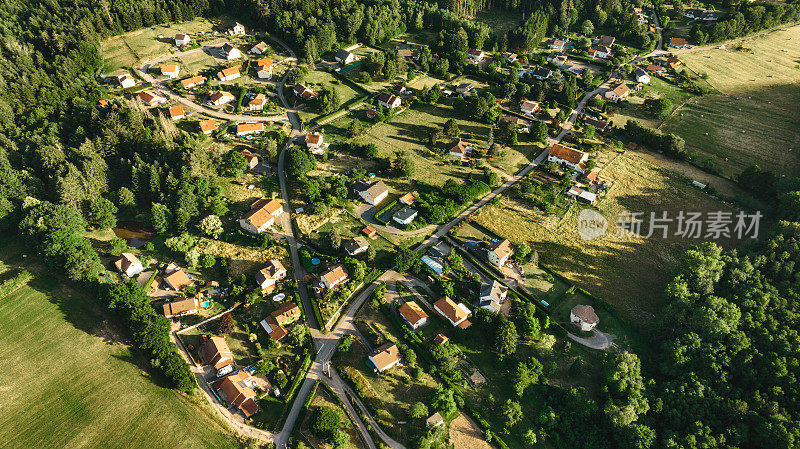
x=727 y=376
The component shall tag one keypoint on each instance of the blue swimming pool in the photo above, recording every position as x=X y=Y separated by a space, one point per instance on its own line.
x=205 y=304
x=315 y=261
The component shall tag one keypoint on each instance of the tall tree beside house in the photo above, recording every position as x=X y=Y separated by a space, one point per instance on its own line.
x=103 y=213
x=506 y=337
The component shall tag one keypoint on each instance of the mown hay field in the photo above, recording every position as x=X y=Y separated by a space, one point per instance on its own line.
x=628 y=272
x=755 y=118
x=68 y=382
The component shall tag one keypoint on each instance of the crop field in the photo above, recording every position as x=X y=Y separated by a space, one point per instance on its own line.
x=755 y=119
x=68 y=380
x=409 y=131
x=628 y=272
x=126 y=50
x=513 y=159
x=196 y=62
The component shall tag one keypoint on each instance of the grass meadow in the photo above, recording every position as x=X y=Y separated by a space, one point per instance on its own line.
x=755 y=118
x=628 y=272
x=127 y=49
x=70 y=382
x=323 y=399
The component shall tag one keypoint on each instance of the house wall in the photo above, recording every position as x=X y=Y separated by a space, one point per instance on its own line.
x=249 y=227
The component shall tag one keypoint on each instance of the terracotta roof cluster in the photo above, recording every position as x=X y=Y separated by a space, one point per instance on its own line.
x=216 y=352
x=238 y=391
x=180 y=306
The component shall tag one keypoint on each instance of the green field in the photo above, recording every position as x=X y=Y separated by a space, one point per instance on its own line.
x=755 y=120
x=197 y=62
x=319 y=79
x=408 y=131
x=128 y=49
x=627 y=272
x=69 y=383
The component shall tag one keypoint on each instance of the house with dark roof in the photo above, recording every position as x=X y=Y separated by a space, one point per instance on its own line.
x=405 y=215
x=492 y=295
x=584 y=317
x=344 y=57
x=356 y=245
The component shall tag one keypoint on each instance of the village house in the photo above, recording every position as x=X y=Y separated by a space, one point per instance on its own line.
x=273 y=328
x=221 y=97
x=267 y=277
x=389 y=101
x=151 y=99
x=262 y=214
x=230 y=52
x=557 y=58
x=175 y=112
x=250 y=158
x=677 y=42
x=477 y=55
x=584 y=317
x=181 y=307
x=599 y=125
x=581 y=195
x=128 y=264
x=207 y=126
x=371 y=113
x=370 y=232
x=569 y=157
x=333 y=276
x=456 y=314
x=607 y=41
x=511 y=57
x=499 y=251
x=231 y=73
x=125 y=81
x=264 y=69
x=460 y=150
x=409 y=198
x=641 y=76
x=673 y=63
x=540 y=73
x=404 y=216
x=408 y=54
x=599 y=52
x=215 y=352
x=170 y=70
x=236 y=30
x=174 y=278
x=257 y=102
x=259 y=48
x=182 y=39
x=400 y=90
x=655 y=69
x=194 y=81
x=618 y=92
x=374 y=193
x=287 y=313
x=464 y=88
x=528 y=107
x=434 y=420
x=243 y=129
x=315 y=143
x=238 y=390
x=303 y=92
x=705 y=15
x=356 y=245
x=344 y=57
x=557 y=44
x=385 y=357
x=492 y=295
x=413 y=314
x=440 y=339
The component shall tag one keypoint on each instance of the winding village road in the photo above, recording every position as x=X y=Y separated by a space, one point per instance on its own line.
x=326 y=344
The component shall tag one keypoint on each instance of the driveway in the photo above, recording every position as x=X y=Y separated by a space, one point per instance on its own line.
x=600 y=340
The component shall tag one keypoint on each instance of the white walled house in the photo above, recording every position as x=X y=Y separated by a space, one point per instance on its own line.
x=236 y=30
x=584 y=317
x=271 y=274
x=569 y=157
x=261 y=216
x=182 y=39
x=128 y=264
x=453 y=312
x=498 y=252
x=125 y=81
x=375 y=193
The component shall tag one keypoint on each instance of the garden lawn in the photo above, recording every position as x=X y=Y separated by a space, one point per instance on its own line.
x=409 y=130
x=627 y=272
x=756 y=118
x=69 y=383
x=197 y=62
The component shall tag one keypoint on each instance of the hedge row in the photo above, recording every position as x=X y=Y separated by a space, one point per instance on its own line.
x=315 y=307
x=299 y=378
x=9 y=285
x=383 y=211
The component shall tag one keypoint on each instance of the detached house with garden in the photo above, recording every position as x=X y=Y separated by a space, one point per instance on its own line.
x=261 y=216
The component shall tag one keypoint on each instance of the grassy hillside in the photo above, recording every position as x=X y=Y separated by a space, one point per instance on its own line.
x=755 y=119
x=67 y=381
